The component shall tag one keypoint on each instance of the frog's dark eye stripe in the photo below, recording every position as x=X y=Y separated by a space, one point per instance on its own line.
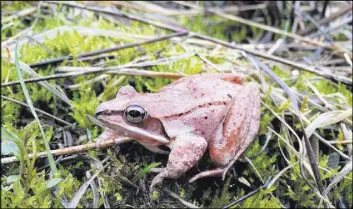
x=135 y=114
x=106 y=112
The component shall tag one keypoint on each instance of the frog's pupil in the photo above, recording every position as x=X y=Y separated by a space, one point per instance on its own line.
x=134 y=113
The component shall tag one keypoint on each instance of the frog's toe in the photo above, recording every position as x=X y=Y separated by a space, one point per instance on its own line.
x=157 y=170
x=157 y=180
x=214 y=172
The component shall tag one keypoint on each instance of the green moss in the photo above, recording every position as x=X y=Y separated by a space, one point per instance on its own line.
x=263 y=162
x=223 y=198
x=38 y=195
x=197 y=24
x=280 y=73
x=187 y=66
x=84 y=102
x=262 y=199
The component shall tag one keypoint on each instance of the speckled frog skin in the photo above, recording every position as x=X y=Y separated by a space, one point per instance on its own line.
x=205 y=111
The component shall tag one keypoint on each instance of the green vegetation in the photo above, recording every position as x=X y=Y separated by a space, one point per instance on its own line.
x=30 y=182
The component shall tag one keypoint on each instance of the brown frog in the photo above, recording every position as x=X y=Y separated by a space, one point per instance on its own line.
x=214 y=111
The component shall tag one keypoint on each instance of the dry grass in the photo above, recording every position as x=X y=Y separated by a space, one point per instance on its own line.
x=74 y=55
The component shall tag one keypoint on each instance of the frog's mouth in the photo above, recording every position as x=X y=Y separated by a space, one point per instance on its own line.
x=114 y=120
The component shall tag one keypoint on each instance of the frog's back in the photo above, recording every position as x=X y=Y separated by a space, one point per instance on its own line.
x=189 y=93
x=207 y=84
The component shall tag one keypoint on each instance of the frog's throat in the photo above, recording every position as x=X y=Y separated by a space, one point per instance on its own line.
x=138 y=131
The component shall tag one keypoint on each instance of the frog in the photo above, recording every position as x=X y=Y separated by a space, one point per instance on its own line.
x=217 y=112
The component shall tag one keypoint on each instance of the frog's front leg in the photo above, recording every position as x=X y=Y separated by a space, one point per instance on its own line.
x=186 y=150
x=235 y=132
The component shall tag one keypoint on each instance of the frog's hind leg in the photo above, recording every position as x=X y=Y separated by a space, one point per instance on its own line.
x=186 y=151
x=235 y=132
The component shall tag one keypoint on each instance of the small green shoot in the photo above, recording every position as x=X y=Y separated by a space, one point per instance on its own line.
x=144 y=171
x=29 y=101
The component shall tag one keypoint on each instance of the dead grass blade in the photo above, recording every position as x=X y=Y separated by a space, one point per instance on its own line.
x=116 y=14
x=345 y=171
x=343 y=10
x=185 y=203
x=293 y=99
x=326 y=119
x=265 y=27
x=94 y=190
x=264 y=186
x=256 y=53
x=21 y=13
x=296 y=65
x=122 y=70
x=73 y=203
x=82 y=30
x=24 y=67
x=106 y=50
x=38 y=110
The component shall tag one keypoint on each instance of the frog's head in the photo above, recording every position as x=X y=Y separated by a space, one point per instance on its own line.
x=128 y=115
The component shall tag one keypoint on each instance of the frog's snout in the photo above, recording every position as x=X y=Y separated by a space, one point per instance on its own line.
x=99 y=110
x=102 y=110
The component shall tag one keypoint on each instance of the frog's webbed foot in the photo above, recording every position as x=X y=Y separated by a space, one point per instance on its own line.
x=187 y=149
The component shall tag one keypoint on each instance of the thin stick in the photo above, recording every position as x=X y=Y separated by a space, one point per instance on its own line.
x=270 y=57
x=266 y=27
x=106 y=50
x=278 y=59
x=122 y=70
x=343 y=10
x=264 y=186
x=22 y=13
x=73 y=149
x=118 y=14
x=38 y=110
x=185 y=203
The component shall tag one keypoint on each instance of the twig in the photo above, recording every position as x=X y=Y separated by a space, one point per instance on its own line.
x=106 y=50
x=73 y=150
x=185 y=203
x=311 y=156
x=21 y=13
x=17 y=36
x=120 y=14
x=122 y=70
x=333 y=27
x=265 y=27
x=40 y=111
x=153 y=8
x=341 y=142
x=260 y=54
x=279 y=59
x=345 y=9
x=264 y=186
x=315 y=23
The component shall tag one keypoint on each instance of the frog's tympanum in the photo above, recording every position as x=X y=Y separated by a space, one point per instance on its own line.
x=206 y=111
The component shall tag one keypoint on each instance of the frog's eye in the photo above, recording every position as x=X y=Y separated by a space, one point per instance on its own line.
x=135 y=114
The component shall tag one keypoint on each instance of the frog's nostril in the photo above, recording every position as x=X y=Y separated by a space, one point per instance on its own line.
x=99 y=113
x=100 y=110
